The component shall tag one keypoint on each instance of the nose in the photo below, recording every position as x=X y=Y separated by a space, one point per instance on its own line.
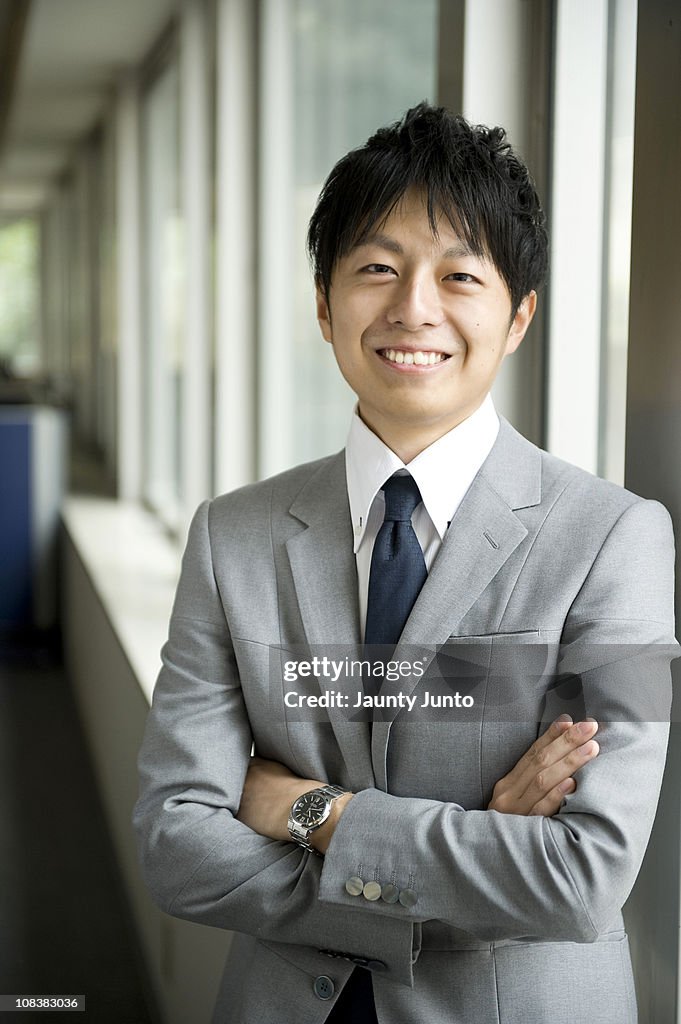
x=415 y=303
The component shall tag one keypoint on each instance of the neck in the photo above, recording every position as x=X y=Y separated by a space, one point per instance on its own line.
x=407 y=441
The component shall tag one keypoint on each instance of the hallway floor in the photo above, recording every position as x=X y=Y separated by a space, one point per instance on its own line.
x=64 y=923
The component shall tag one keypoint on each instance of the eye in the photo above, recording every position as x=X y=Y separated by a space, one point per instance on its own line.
x=461 y=277
x=378 y=268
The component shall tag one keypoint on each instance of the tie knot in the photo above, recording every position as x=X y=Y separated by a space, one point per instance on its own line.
x=401 y=498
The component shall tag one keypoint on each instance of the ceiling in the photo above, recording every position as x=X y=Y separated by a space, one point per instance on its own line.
x=59 y=63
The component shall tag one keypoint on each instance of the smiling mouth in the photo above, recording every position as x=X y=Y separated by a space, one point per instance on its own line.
x=419 y=358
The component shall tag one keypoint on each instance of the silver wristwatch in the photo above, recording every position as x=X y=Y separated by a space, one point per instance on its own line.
x=309 y=812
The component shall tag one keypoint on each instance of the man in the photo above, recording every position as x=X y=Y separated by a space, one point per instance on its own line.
x=455 y=871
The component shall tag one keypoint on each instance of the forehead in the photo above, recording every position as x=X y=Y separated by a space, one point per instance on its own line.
x=409 y=224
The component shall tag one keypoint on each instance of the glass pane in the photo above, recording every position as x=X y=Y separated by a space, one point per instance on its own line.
x=357 y=66
x=164 y=279
x=108 y=325
x=619 y=190
x=19 y=299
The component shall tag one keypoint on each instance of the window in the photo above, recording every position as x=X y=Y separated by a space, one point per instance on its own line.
x=351 y=67
x=163 y=314
x=618 y=211
x=591 y=232
x=20 y=332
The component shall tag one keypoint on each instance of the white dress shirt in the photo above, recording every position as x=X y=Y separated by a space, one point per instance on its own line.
x=443 y=472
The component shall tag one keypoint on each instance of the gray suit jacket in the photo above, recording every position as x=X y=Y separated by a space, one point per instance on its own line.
x=517 y=919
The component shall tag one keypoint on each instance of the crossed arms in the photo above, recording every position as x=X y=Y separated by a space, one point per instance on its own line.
x=542 y=875
x=536 y=785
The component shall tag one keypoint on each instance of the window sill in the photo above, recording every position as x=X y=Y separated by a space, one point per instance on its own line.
x=134 y=568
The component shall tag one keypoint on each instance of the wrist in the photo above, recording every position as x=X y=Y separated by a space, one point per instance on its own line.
x=315 y=810
x=321 y=838
x=296 y=789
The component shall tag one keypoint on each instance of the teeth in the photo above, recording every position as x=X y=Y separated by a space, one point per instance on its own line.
x=413 y=358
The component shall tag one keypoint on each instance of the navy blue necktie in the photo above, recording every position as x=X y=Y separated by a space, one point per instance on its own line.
x=398 y=570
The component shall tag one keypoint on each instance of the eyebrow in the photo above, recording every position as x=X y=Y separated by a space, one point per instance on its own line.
x=391 y=245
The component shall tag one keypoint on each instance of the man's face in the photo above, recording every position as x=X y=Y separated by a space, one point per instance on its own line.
x=419 y=327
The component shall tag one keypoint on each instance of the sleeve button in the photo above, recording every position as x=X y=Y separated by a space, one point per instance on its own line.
x=372 y=891
x=390 y=893
x=408 y=898
x=354 y=885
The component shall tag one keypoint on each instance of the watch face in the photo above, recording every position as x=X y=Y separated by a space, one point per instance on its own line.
x=310 y=809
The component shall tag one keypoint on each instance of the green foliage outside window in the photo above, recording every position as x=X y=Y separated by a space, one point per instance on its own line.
x=19 y=297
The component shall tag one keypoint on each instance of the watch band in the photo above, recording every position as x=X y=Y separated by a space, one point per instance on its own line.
x=299 y=833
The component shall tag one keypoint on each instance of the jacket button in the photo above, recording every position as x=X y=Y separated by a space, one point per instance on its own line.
x=323 y=987
x=390 y=893
x=372 y=891
x=354 y=885
x=376 y=965
x=408 y=898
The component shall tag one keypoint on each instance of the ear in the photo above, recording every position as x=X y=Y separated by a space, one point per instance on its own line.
x=323 y=315
x=521 y=321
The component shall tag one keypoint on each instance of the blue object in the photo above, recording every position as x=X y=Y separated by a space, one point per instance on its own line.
x=398 y=570
x=16 y=591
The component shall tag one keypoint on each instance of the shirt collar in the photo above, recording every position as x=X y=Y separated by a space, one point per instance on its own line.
x=443 y=471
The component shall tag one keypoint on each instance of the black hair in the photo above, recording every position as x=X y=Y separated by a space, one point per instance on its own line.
x=467 y=172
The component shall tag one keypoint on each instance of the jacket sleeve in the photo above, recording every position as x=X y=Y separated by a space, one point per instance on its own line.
x=503 y=876
x=198 y=861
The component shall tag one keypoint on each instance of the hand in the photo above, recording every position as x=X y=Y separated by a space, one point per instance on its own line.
x=543 y=776
x=269 y=792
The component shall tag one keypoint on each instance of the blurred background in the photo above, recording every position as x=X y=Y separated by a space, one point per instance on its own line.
x=159 y=161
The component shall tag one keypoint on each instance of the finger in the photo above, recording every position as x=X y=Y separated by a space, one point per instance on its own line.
x=547 y=780
x=551 y=803
x=567 y=750
x=557 y=728
x=528 y=781
x=554 y=745
x=575 y=735
x=568 y=738
x=510 y=787
x=517 y=774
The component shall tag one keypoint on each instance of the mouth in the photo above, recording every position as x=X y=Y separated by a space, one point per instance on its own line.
x=407 y=358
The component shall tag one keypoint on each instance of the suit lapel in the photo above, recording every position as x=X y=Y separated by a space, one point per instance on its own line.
x=482 y=535
x=325 y=577
x=322 y=558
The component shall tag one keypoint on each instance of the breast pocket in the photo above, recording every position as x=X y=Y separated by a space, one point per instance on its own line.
x=438 y=748
x=512 y=678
